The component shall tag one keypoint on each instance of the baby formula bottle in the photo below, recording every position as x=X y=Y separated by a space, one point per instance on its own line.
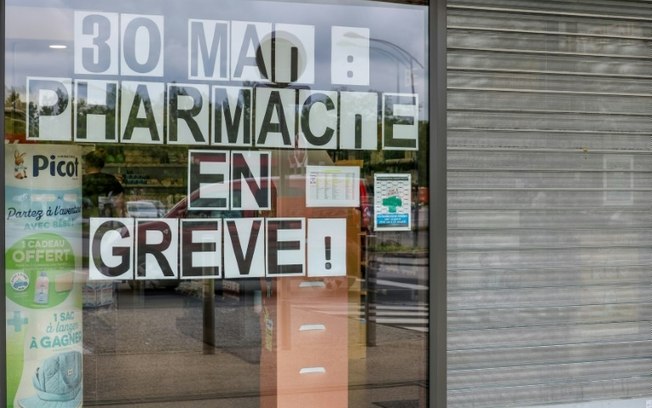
x=42 y=289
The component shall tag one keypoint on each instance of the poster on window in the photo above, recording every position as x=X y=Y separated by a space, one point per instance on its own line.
x=392 y=202
x=332 y=186
x=43 y=204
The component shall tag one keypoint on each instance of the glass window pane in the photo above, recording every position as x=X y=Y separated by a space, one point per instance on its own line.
x=217 y=204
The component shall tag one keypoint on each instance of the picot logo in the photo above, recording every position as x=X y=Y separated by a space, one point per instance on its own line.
x=61 y=166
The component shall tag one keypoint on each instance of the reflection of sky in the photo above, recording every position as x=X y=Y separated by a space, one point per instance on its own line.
x=402 y=26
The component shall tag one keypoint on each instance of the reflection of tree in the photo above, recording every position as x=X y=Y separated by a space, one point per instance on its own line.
x=13 y=99
x=399 y=160
x=108 y=111
x=14 y=113
x=36 y=110
x=389 y=160
x=57 y=108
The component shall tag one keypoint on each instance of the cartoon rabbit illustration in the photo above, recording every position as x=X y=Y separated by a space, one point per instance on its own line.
x=20 y=170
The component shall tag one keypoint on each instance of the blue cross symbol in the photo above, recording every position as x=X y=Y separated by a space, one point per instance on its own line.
x=17 y=321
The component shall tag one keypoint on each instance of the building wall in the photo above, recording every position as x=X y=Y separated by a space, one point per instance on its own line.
x=549 y=196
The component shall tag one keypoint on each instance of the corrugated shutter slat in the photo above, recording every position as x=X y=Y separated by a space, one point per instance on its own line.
x=550 y=201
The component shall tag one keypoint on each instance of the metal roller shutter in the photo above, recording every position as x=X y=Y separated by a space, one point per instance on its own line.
x=550 y=201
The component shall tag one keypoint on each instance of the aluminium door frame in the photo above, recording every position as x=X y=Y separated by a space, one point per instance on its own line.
x=437 y=195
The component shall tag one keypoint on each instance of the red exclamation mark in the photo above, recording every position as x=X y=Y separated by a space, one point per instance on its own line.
x=327 y=246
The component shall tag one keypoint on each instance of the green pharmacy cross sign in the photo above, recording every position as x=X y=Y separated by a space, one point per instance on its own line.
x=392 y=203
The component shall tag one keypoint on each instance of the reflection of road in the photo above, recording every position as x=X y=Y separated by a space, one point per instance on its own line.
x=411 y=317
x=408 y=315
x=138 y=338
x=398 y=290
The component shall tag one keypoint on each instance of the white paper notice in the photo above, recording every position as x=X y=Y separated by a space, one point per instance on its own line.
x=392 y=202
x=332 y=186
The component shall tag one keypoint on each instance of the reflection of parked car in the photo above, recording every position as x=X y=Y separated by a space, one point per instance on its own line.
x=181 y=211
x=178 y=211
x=159 y=207
x=145 y=209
